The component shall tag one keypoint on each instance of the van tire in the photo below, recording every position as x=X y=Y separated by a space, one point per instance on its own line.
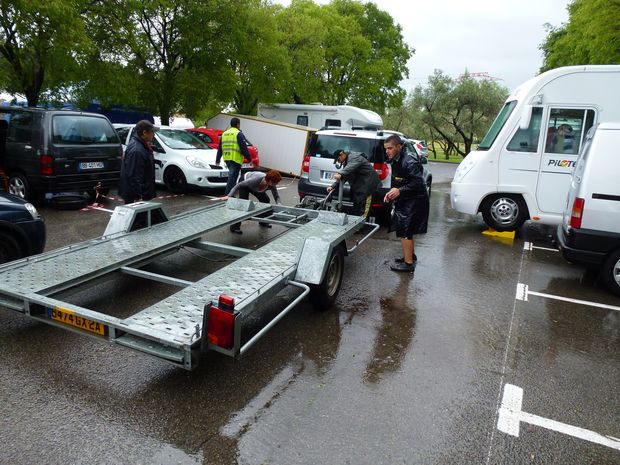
x=504 y=212
x=175 y=180
x=322 y=296
x=610 y=272
x=9 y=248
x=19 y=186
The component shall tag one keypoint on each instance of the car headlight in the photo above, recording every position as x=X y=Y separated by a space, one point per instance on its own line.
x=197 y=163
x=32 y=210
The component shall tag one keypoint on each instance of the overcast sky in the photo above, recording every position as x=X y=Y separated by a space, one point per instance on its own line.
x=498 y=37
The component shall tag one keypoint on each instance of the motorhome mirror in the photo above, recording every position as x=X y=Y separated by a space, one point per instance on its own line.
x=526 y=115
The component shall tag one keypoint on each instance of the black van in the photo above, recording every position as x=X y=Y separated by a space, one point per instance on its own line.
x=46 y=152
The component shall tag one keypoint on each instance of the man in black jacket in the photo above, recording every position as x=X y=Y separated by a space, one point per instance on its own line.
x=411 y=203
x=361 y=176
x=138 y=167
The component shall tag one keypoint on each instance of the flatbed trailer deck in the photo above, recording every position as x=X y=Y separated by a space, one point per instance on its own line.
x=176 y=329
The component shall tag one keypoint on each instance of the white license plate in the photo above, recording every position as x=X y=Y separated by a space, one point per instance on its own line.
x=247 y=166
x=91 y=165
x=328 y=175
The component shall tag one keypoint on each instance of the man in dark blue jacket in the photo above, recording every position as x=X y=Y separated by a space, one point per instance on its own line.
x=138 y=166
x=411 y=203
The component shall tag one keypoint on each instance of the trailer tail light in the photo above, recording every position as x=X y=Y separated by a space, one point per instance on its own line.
x=382 y=170
x=221 y=326
x=46 y=164
x=305 y=165
x=576 y=214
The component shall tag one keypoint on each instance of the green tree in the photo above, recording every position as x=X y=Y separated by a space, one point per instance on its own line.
x=346 y=52
x=458 y=112
x=39 y=43
x=591 y=36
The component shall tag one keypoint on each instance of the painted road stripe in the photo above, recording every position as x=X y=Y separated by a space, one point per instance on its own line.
x=510 y=415
x=530 y=246
x=523 y=292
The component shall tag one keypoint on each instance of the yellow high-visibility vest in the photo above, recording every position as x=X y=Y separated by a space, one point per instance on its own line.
x=230 y=146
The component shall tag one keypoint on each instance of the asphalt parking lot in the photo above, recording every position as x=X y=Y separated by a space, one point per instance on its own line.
x=495 y=351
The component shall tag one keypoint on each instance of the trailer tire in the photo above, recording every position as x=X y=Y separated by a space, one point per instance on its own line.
x=322 y=296
x=504 y=212
x=610 y=272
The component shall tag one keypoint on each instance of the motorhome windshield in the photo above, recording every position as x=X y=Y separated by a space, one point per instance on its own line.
x=497 y=125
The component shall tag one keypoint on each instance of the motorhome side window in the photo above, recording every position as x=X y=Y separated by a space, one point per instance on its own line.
x=302 y=120
x=526 y=140
x=566 y=129
x=334 y=123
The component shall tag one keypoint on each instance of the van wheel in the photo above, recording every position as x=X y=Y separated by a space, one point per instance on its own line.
x=19 y=186
x=175 y=180
x=322 y=296
x=504 y=212
x=9 y=248
x=611 y=272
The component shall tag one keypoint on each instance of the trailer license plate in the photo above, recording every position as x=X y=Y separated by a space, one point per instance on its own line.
x=69 y=317
x=246 y=166
x=91 y=165
x=328 y=175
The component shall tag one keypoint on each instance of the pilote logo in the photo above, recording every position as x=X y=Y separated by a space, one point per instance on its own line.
x=561 y=163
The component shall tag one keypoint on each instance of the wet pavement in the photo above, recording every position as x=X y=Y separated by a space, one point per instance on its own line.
x=402 y=370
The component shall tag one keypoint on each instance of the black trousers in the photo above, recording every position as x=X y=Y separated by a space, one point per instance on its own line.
x=244 y=193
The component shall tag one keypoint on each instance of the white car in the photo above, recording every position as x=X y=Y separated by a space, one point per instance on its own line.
x=181 y=159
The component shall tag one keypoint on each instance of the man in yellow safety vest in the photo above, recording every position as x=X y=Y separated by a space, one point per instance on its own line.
x=234 y=148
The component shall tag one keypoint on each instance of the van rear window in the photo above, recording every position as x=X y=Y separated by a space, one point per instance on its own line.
x=82 y=129
x=325 y=146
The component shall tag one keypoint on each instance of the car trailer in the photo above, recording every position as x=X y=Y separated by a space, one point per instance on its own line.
x=209 y=314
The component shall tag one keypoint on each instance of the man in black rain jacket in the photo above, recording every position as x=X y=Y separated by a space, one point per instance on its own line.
x=411 y=202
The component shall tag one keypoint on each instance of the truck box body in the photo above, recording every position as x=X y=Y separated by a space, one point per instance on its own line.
x=521 y=169
x=282 y=146
x=321 y=116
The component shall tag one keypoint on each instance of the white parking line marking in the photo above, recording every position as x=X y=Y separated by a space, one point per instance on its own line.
x=523 y=292
x=530 y=246
x=510 y=415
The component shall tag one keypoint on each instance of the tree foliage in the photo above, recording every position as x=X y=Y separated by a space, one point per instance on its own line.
x=39 y=42
x=456 y=112
x=591 y=36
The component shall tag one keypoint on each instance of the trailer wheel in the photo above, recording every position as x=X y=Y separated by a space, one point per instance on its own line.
x=175 y=180
x=9 y=248
x=322 y=296
x=504 y=212
x=611 y=272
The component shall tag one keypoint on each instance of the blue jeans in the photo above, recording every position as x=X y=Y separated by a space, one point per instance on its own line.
x=233 y=175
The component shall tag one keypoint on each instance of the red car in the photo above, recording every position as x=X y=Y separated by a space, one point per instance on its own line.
x=211 y=137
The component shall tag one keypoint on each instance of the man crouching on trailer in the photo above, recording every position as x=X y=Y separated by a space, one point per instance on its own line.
x=257 y=183
x=361 y=176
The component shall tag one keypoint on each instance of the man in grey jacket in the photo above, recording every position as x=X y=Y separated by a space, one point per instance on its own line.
x=361 y=176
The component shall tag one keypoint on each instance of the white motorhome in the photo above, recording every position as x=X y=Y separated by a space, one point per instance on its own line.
x=282 y=146
x=521 y=169
x=321 y=116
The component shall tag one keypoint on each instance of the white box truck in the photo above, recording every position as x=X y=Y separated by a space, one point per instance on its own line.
x=281 y=146
x=521 y=169
x=321 y=116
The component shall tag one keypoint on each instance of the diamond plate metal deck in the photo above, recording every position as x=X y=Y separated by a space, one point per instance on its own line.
x=179 y=314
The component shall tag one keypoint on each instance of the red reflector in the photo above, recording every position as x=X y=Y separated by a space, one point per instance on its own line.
x=221 y=330
x=226 y=303
x=46 y=163
x=382 y=170
x=576 y=214
x=305 y=165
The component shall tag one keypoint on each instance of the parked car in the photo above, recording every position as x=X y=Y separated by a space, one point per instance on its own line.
x=317 y=170
x=590 y=230
x=48 y=152
x=22 y=230
x=420 y=147
x=181 y=159
x=212 y=137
